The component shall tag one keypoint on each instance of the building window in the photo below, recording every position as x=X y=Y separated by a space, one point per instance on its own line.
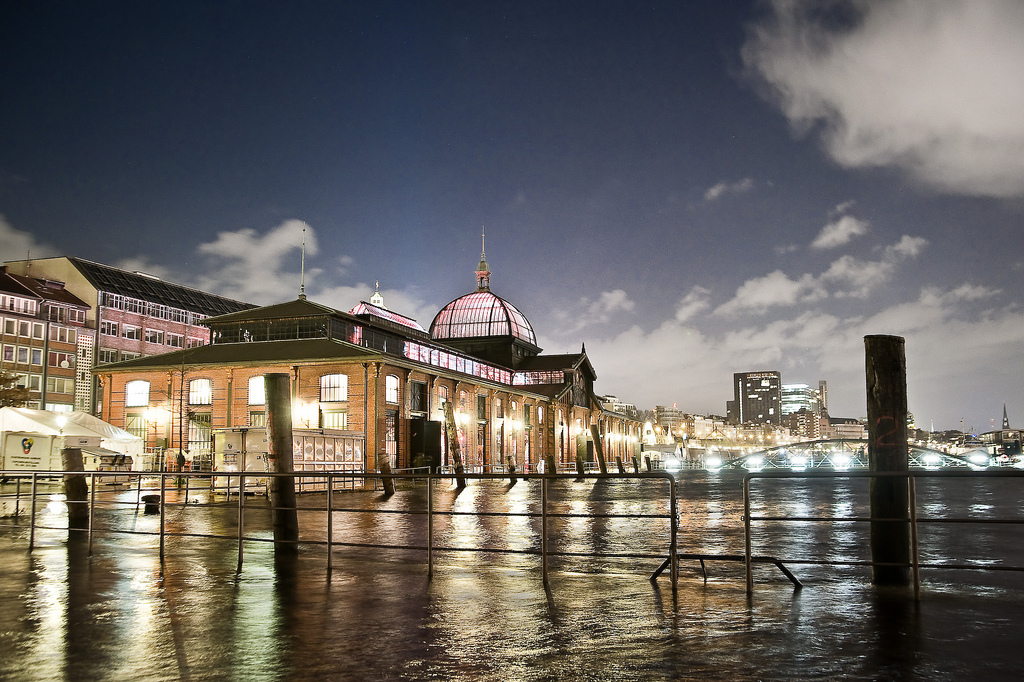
x=10 y=325
x=63 y=334
x=60 y=385
x=481 y=407
x=61 y=359
x=154 y=336
x=199 y=429
x=136 y=393
x=333 y=388
x=257 y=391
x=391 y=389
x=23 y=328
x=257 y=418
x=108 y=328
x=37 y=356
x=175 y=340
x=200 y=392
x=23 y=355
x=135 y=424
x=8 y=353
x=333 y=419
x=130 y=332
x=37 y=331
x=417 y=396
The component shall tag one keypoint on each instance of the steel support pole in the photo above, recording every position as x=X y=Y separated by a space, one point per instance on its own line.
x=915 y=556
x=163 y=512
x=430 y=526
x=92 y=507
x=544 y=527
x=32 y=522
x=241 y=507
x=746 y=536
x=330 y=521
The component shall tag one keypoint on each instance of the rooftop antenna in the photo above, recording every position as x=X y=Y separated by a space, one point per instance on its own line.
x=302 y=268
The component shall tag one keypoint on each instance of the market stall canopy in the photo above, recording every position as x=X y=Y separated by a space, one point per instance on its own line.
x=28 y=420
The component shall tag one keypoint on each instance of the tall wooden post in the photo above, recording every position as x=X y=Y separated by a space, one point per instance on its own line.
x=281 y=459
x=598 y=448
x=454 y=447
x=886 y=373
x=76 y=490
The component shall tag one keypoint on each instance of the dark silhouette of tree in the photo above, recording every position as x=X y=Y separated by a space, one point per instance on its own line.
x=12 y=395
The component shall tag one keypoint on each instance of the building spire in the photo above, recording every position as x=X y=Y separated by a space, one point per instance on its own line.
x=483 y=271
x=377 y=299
x=302 y=267
x=1006 y=420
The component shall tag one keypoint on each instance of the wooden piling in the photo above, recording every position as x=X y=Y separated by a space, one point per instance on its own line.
x=280 y=461
x=622 y=468
x=598 y=448
x=549 y=467
x=581 y=470
x=384 y=467
x=511 y=469
x=76 y=490
x=886 y=379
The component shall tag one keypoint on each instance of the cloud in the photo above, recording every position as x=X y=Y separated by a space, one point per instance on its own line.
x=950 y=345
x=590 y=312
x=17 y=245
x=846 y=277
x=696 y=301
x=759 y=294
x=931 y=87
x=259 y=268
x=839 y=232
x=739 y=187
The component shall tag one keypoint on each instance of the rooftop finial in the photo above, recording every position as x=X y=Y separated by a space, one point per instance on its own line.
x=377 y=299
x=302 y=267
x=483 y=271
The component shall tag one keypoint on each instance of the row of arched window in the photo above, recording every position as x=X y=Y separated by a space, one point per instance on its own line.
x=333 y=389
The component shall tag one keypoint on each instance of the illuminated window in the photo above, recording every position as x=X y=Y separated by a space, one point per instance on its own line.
x=333 y=388
x=257 y=391
x=200 y=392
x=333 y=419
x=391 y=389
x=136 y=393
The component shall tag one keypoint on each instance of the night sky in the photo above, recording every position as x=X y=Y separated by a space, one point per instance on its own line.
x=691 y=189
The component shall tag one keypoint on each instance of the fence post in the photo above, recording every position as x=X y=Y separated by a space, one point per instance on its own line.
x=241 y=513
x=746 y=535
x=32 y=516
x=163 y=498
x=544 y=527
x=330 y=520
x=430 y=525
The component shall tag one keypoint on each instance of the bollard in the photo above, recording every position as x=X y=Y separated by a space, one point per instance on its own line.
x=385 y=468
x=151 y=504
x=886 y=379
x=512 y=469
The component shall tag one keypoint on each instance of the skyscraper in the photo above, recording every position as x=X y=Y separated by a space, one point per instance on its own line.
x=757 y=397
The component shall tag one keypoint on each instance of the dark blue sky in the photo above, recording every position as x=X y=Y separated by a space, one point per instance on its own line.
x=692 y=189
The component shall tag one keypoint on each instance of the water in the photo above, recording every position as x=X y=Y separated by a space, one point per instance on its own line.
x=120 y=615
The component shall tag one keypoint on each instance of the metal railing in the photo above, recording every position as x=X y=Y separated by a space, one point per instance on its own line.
x=157 y=497
x=913 y=518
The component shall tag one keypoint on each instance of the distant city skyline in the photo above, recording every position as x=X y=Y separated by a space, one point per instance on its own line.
x=690 y=189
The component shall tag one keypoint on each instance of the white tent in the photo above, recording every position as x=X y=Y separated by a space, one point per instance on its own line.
x=77 y=424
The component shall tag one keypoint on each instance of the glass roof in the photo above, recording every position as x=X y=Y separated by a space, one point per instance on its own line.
x=481 y=313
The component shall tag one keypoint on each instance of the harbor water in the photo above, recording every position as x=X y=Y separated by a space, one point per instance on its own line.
x=120 y=613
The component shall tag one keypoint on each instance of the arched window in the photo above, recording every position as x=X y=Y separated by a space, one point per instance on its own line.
x=391 y=389
x=257 y=390
x=333 y=388
x=136 y=393
x=200 y=392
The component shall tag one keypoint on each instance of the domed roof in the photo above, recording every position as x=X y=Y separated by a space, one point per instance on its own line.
x=481 y=314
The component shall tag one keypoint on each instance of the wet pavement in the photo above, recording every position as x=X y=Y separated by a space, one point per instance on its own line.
x=121 y=615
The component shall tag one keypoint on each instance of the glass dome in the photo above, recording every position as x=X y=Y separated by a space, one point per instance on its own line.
x=481 y=314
